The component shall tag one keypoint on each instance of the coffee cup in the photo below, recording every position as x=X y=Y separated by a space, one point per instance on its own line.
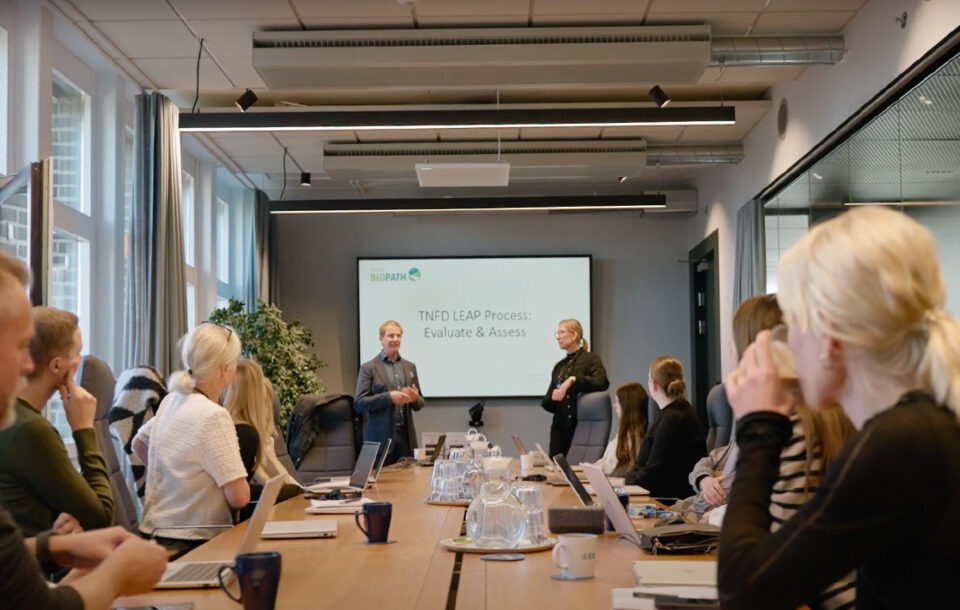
x=575 y=555
x=420 y=453
x=376 y=516
x=257 y=576
x=527 y=463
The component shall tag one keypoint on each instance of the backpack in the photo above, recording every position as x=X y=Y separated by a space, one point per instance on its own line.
x=303 y=425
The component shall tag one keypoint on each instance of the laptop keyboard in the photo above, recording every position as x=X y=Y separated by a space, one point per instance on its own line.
x=196 y=572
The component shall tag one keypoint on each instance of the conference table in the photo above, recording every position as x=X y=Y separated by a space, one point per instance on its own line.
x=415 y=571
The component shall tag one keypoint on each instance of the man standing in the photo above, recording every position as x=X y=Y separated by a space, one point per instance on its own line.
x=388 y=391
x=37 y=480
x=115 y=561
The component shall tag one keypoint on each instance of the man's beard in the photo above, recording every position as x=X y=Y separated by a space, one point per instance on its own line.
x=7 y=413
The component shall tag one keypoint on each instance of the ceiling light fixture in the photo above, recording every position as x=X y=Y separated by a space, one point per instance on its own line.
x=593 y=203
x=367 y=120
x=304 y=178
x=900 y=203
x=661 y=99
x=249 y=98
x=622 y=179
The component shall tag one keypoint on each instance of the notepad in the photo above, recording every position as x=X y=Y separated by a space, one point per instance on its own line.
x=336 y=507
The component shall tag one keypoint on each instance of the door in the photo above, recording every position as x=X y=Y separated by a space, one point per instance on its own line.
x=705 y=323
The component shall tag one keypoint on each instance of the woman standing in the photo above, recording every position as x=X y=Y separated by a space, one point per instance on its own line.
x=630 y=405
x=863 y=297
x=578 y=373
x=674 y=442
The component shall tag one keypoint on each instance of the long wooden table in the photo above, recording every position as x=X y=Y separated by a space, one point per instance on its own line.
x=415 y=572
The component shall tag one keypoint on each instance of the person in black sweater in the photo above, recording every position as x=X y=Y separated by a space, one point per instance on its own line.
x=674 y=443
x=863 y=297
x=578 y=373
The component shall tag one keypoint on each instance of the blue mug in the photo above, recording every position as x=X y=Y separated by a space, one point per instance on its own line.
x=258 y=576
x=377 y=517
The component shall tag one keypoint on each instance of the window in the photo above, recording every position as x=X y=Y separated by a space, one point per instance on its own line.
x=223 y=241
x=191 y=306
x=70 y=144
x=782 y=230
x=14 y=225
x=188 y=220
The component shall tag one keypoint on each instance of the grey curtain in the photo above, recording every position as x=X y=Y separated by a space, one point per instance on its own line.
x=156 y=306
x=749 y=262
x=264 y=280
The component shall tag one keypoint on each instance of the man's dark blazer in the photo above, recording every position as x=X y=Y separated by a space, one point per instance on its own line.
x=373 y=398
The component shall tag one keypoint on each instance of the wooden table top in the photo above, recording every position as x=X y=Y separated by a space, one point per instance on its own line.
x=415 y=572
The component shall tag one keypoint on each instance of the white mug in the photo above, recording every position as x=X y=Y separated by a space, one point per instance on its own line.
x=420 y=453
x=575 y=555
x=527 y=463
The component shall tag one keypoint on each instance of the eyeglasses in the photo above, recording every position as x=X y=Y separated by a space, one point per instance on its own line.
x=224 y=327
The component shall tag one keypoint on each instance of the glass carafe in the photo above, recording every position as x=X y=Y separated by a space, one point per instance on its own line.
x=495 y=519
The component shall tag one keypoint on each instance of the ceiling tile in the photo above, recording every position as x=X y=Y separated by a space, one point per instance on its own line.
x=366 y=23
x=241 y=72
x=371 y=10
x=472 y=21
x=411 y=135
x=760 y=75
x=705 y=6
x=151 y=38
x=99 y=10
x=454 y=135
x=234 y=9
x=587 y=19
x=793 y=23
x=650 y=134
x=543 y=8
x=247 y=144
x=235 y=36
x=473 y=8
x=559 y=133
x=816 y=5
x=181 y=73
x=721 y=24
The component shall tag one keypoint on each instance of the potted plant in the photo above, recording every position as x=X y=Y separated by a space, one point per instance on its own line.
x=283 y=350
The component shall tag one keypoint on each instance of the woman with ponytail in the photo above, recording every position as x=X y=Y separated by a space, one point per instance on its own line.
x=674 y=442
x=195 y=475
x=579 y=372
x=863 y=298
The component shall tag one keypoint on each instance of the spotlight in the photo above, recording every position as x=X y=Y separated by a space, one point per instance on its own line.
x=249 y=98
x=660 y=98
x=623 y=179
x=476 y=415
x=304 y=178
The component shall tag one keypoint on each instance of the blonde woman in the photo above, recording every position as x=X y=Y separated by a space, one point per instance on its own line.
x=579 y=372
x=249 y=400
x=195 y=475
x=863 y=297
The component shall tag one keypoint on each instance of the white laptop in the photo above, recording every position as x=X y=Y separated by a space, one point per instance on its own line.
x=361 y=472
x=304 y=528
x=548 y=463
x=380 y=462
x=607 y=498
x=202 y=574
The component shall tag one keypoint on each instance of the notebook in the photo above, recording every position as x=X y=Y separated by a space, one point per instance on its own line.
x=361 y=472
x=202 y=574
x=323 y=528
x=336 y=507
x=654 y=572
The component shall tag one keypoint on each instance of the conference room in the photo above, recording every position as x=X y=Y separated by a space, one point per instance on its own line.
x=454 y=201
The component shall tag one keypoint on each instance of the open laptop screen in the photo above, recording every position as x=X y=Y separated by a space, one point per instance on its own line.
x=361 y=472
x=571 y=478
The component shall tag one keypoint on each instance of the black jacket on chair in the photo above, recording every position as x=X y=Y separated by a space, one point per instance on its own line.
x=668 y=452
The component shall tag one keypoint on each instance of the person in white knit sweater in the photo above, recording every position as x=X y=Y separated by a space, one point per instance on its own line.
x=195 y=475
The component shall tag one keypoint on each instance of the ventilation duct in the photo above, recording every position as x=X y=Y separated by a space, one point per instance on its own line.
x=482 y=57
x=769 y=51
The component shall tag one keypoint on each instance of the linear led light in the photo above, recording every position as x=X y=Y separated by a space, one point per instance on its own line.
x=472 y=204
x=367 y=120
x=900 y=203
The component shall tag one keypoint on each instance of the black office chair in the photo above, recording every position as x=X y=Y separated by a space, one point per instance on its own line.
x=719 y=418
x=333 y=450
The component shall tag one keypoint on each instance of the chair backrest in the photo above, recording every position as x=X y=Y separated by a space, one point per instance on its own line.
x=594 y=416
x=719 y=418
x=333 y=450
x=96 y=377
x=279 y=444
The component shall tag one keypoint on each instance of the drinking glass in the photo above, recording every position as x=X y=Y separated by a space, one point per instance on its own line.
x=529 y=497
x=495 y=519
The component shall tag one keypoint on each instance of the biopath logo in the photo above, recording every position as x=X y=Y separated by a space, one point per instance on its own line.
x=384 y=276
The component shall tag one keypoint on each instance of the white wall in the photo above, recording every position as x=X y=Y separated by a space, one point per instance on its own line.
x=640 y=291
x=878 y=50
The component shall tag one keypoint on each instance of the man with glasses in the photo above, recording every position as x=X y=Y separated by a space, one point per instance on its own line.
x=388 y=391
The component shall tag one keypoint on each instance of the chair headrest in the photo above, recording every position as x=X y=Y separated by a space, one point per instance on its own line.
x=594 y=406
x=95 y=376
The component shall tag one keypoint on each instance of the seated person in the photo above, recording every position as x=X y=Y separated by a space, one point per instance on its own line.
x=630 y=403
x=38 y=482
x=114 y=562
x=249 y=401
x=195 y=475
x=674 y=443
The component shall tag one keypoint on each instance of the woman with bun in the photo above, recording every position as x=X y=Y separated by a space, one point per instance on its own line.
x=674 y=442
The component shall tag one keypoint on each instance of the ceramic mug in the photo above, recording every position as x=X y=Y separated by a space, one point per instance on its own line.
x=575 y=555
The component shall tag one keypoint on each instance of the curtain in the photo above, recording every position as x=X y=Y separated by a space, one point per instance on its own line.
x=156 y=304
x=264 y=278
x=749 y=263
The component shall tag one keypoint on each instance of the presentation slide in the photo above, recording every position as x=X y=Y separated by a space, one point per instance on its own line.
x=475 y=327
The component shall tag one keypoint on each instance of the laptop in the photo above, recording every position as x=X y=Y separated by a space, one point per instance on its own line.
x=320 y=528
x=519 y=444
x=611 y=504
x=548 y=463
x=202 y=574
x=436 y=452
x=574 y=482
x=380 y=462
x=361 y=472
